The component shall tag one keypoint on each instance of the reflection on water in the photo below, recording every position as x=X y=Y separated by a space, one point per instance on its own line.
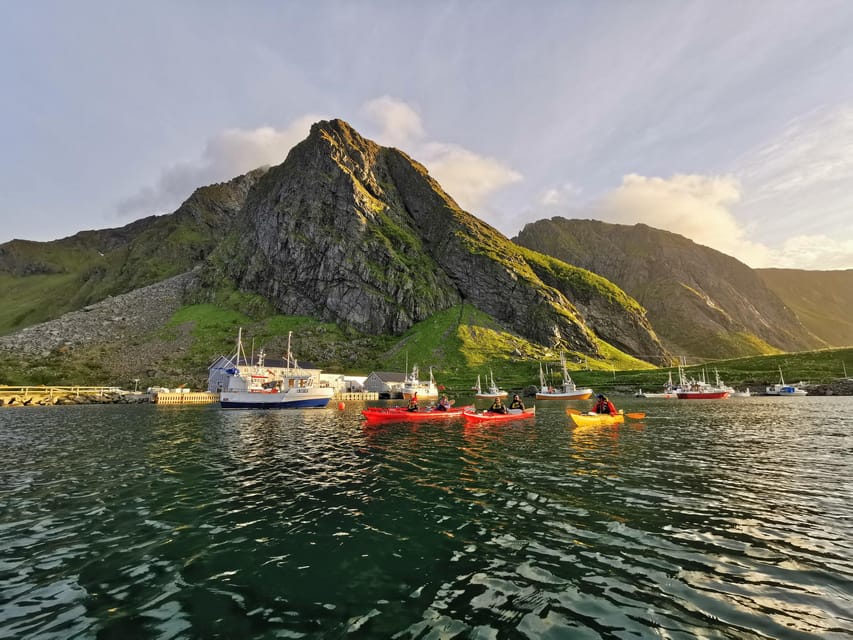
x=719 y=519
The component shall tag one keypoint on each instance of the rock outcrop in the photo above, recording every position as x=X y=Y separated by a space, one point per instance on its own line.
x=349 y=231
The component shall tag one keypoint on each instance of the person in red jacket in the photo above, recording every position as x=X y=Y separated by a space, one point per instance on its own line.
x=604 y=406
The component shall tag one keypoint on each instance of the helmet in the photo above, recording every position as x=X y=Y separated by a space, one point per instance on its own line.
x=600 y=395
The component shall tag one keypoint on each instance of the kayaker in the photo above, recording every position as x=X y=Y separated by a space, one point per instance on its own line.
x=516 y=403
x=413 y=403
x=604 y=406
x=497 y=406
x=443 y=404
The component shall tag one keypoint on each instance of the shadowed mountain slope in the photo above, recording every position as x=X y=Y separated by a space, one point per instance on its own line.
x=823 y=300
x=701 y=302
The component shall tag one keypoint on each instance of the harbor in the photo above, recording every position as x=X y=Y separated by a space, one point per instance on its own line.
x=136 y=521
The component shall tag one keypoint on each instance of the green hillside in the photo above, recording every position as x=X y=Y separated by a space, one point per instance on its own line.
x=822 y=300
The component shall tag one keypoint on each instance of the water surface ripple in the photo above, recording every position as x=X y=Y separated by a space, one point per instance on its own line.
x=729 y=519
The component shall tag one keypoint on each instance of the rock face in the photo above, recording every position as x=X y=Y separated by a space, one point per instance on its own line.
x=700 y=301
x=349 y=231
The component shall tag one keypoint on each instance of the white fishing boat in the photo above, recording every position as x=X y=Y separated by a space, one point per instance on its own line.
x=492 y=392
x=567 y=391
x=782 y=389
x=413 y=385
x=746 y=393
x=255 y=386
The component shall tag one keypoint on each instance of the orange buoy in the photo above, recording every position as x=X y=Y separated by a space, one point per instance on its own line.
x=341 y=406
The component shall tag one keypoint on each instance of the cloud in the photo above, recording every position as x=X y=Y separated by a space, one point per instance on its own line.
x=560 y=196
x=399 y=124
x=230 y=153
x=470 y=178
x=801 y=179
x=701 y=208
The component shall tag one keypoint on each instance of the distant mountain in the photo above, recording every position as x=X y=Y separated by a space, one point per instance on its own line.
x=823 y=300
x=701 y=302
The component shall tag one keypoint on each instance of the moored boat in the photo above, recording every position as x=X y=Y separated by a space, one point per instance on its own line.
x=253 y=386
x=597 y=419
x=472 y=415
x=700 y=389
x=376 y=414
x=669 y=391
x=492 y=392
x=782 y=389
x=568 y=390
x=414 y=386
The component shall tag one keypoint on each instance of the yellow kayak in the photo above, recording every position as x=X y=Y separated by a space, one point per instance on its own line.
x=596 y=419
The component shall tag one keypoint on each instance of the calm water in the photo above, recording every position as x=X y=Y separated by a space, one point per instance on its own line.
x=729 y=519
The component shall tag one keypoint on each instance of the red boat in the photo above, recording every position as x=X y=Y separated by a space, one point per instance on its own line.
x=403 y=414
x=471 y=415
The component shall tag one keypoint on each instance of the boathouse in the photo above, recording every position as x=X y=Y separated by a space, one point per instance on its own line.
x=388 y=384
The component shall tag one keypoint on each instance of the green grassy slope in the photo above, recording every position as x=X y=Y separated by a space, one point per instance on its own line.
x=823 y=300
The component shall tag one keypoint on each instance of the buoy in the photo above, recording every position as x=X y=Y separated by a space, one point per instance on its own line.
x=341 y=406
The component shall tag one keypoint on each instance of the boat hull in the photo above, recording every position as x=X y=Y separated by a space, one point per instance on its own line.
x=485 y=416
x=642 y=394
x=301 y=399
x=596 y=419
x=580 y=394
x=423 y=394
x=702 y=395
x=502 y=394
x=384 y=414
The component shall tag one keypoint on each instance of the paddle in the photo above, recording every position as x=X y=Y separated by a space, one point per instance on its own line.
x=571 y=411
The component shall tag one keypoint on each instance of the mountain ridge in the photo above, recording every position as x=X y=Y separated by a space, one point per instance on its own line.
x=700 y=301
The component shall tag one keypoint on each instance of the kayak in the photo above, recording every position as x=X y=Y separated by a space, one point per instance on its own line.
x=402 y=413
x=471 y=415
x=596 y=419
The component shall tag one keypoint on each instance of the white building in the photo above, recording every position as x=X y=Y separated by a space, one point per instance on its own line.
x=388 y=384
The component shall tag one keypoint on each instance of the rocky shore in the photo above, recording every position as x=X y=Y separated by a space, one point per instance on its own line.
x=45 y=400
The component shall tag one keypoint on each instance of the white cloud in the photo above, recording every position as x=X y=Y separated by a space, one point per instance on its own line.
x=399 y=124
x=230 y=153
x=700 y=208
x=563 y=195
x=470 y=178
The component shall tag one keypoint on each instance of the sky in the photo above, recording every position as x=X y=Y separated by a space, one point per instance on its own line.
x=728 y=122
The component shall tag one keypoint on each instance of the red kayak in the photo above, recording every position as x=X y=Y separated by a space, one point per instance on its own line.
x=402 y=413
x=487 y=416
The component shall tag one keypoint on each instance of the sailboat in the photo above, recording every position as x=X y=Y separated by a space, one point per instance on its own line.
x=568 y=390
x=492 y=392
x=669 y=391
x=782 y=389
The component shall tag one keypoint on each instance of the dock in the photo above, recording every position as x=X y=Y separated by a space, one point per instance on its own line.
x=186 y=397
